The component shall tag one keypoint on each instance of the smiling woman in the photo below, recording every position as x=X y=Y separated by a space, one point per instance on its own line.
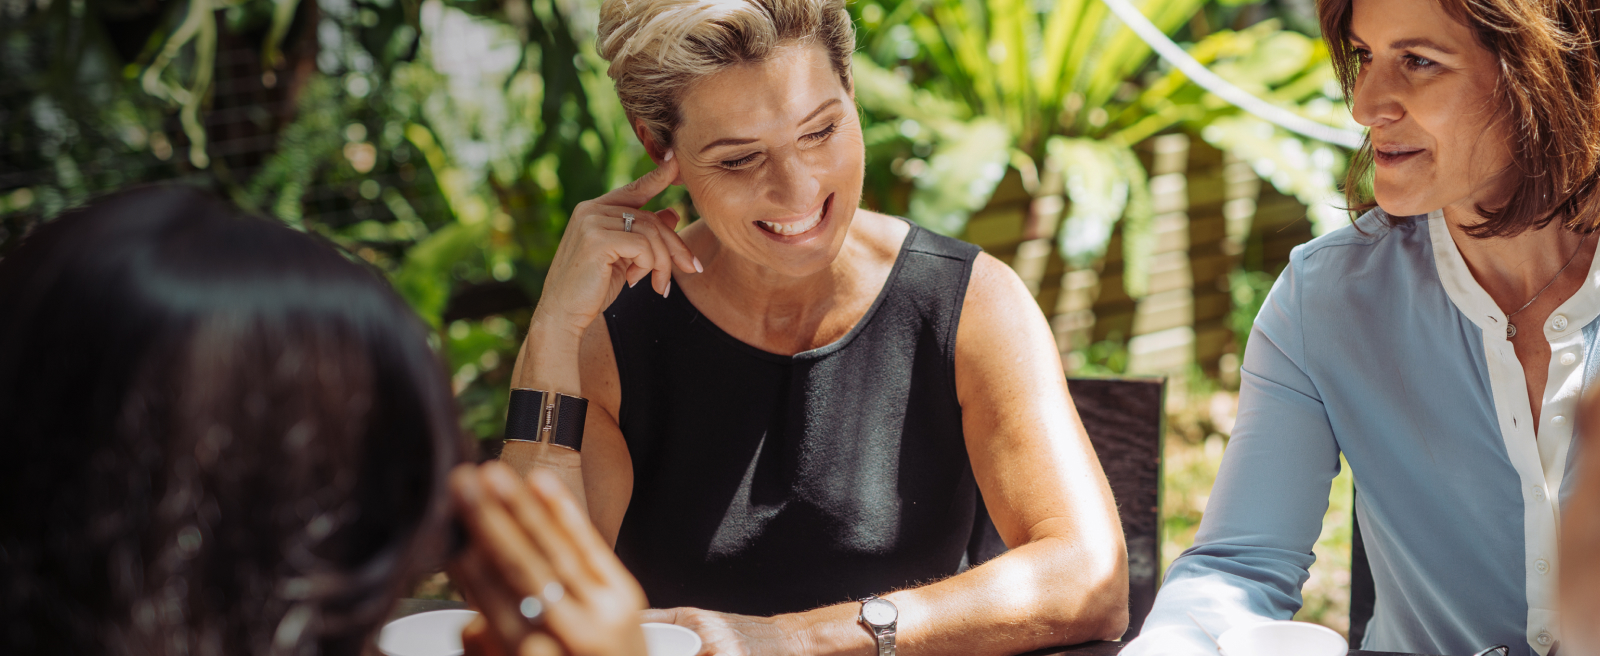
x=1440 y=345
x=798 y=413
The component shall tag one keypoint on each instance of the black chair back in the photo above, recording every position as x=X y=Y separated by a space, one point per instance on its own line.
x=1125 y=419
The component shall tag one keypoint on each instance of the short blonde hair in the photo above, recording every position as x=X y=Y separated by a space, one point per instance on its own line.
x=659 y=48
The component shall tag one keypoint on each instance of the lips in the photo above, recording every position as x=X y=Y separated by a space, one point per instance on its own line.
x=1392 y=154
x=799 y=226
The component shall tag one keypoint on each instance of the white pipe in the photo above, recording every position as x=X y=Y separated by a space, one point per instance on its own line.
x=1178 y=57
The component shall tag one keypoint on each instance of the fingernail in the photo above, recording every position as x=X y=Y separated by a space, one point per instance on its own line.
x=669 y=289
x=631 y=284
x=697 y=267
x=667 y=157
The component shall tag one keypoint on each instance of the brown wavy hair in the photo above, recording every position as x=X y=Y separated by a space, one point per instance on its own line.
x=1548 y=95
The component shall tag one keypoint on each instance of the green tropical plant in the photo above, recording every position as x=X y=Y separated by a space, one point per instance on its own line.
x=445 y=143
x=958 y=90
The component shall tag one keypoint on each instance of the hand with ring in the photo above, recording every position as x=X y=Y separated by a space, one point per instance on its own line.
x=609 y=242
x=544 y=581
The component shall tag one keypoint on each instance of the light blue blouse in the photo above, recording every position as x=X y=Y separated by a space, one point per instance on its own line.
x=1376 y=342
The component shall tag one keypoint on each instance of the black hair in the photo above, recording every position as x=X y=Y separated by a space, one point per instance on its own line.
x=217 y=436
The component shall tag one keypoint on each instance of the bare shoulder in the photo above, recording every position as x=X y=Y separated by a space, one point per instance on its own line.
x=996 y=298
x=1003 y=336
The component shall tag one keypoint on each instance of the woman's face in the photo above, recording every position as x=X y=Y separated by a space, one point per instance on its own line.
x=1426 y=91
x=773 y=156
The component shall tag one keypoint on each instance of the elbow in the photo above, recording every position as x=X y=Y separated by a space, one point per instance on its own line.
x=1107 y=610
x=1100 y=605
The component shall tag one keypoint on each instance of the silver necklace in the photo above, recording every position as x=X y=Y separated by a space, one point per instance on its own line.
x=1511 y=328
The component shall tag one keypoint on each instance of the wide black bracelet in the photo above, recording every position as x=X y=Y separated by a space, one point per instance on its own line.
x=546 y=418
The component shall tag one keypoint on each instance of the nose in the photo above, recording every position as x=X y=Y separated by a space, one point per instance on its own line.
x=1377 y=99
x=793 y=183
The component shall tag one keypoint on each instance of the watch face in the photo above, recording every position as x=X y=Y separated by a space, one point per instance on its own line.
x=879 y=612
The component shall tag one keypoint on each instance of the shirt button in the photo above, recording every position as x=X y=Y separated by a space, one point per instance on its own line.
x=1542 y=565
x=1568 y=358
x=1558 y=420
x=1559 y=323
x=1538 y=492
x=1544 y=638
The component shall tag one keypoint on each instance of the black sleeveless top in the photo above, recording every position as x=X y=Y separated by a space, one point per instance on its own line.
x=768 y=484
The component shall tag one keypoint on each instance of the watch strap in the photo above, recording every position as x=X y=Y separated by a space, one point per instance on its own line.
x=546 y=418
x=885 y=641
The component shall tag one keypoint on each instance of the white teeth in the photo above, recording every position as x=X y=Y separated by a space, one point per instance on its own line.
x=788 y=229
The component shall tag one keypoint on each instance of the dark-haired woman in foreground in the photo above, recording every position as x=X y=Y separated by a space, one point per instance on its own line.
x=219 y=436
x=1441 y=344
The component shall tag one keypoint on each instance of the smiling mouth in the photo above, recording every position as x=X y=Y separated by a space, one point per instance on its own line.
x=795 y=228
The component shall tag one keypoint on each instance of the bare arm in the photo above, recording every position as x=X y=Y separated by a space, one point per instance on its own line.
x=1065 y=578
x=567 y=349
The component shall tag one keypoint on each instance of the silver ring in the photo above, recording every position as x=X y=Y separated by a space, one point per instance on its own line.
x=627 y=222
x=532 y=607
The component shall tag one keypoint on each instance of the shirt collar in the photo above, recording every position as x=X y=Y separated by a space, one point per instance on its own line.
x=1480 y=308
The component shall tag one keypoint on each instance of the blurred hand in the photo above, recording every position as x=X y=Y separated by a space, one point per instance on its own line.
x=726 y=634
x=526 y=535
x=596 y=257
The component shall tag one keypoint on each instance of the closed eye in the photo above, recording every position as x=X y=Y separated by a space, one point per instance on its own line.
x=741 y=162
x=822 y=134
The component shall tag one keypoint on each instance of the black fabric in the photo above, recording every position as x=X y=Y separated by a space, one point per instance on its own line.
x=768 y=484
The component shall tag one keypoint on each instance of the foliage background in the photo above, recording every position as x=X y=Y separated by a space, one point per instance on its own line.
x=445 y=142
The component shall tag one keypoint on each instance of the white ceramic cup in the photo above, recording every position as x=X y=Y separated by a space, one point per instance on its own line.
x=670 y=640
x=438 y=633
x=434 y=633
x=1282 y=638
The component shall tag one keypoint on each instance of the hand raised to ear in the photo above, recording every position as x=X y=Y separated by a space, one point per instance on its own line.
x=602 y=250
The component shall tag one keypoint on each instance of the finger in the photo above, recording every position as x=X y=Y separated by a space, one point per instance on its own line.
x=497 y=605
x=576 y=524
x=479 y=639
x=551 y=537
x=658 y=226
x=540 y=643
x=659 y=615
x=663 y=269
x=680 y=250
x=639 y=192
x=496 y=535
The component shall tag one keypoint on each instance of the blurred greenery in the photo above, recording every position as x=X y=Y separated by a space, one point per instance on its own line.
x=446 y=141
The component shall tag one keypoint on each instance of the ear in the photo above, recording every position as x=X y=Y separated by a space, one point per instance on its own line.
x=656 y=152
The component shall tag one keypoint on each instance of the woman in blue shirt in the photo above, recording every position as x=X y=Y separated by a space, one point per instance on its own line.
x=1440 y=344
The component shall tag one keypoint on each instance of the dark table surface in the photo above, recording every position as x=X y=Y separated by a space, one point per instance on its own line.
x=413 y=606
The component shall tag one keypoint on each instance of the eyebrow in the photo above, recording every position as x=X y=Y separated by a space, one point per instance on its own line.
x=740 y=142
x=1413 y=42
x=1420 y=43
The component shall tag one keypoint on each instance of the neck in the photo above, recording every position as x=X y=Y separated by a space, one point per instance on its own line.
x=1515 y=269
x=782 y=300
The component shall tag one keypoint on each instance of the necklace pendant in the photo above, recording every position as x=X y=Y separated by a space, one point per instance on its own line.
x=1511 y=330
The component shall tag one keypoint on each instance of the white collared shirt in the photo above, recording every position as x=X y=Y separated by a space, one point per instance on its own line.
x=1377 y=343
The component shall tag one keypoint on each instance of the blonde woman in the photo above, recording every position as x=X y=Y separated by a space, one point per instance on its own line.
x=790 y=420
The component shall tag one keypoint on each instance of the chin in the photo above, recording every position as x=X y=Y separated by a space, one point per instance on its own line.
x=1397 y=203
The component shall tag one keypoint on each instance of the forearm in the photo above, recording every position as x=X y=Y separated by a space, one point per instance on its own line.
x=548 y=361
x=1051 y=591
